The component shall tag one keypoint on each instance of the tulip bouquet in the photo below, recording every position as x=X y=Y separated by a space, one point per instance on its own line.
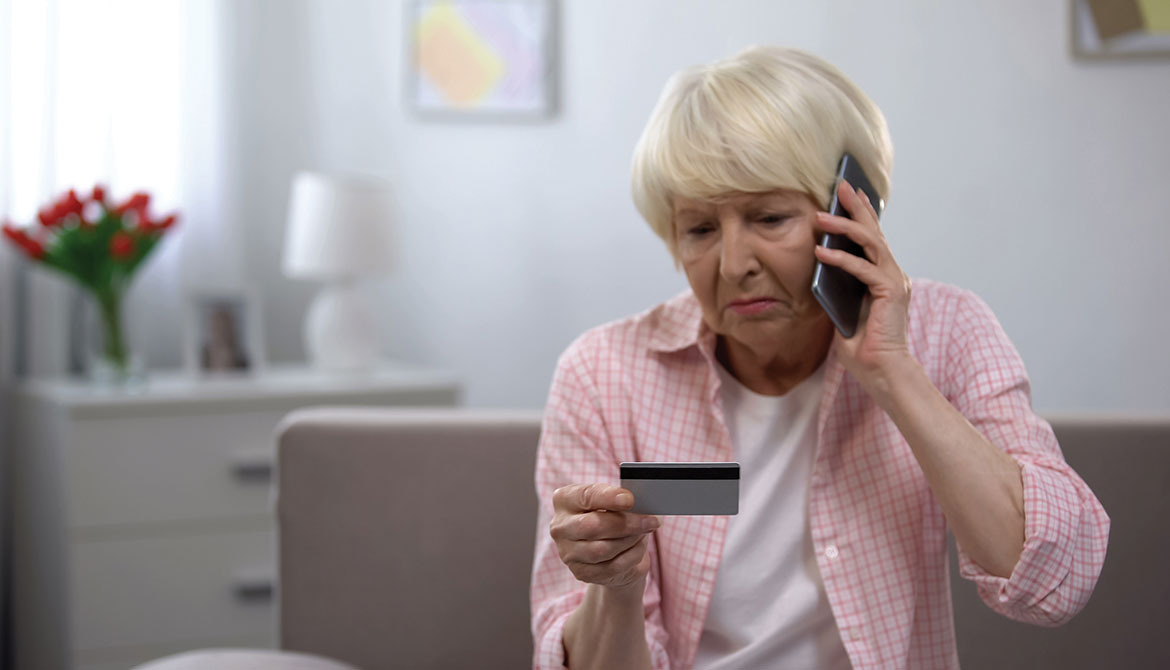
x=99 y=245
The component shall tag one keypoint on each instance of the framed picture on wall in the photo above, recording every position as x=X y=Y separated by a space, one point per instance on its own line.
x=481 y=59
x=1110 y=29
x=222 y=333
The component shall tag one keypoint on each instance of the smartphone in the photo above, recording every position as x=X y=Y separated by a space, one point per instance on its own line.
x=683 y=488
x=839 y=292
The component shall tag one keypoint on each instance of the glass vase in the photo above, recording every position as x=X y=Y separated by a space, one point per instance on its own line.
x=111 y=362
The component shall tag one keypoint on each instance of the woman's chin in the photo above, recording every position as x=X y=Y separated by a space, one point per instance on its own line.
x=757 y=332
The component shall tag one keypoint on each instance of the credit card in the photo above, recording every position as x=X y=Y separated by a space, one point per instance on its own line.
x=683 y=488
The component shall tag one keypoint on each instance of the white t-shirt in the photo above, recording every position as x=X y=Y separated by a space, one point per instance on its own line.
x=769 y=608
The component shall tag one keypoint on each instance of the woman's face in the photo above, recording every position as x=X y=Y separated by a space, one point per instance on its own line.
x=749 y=260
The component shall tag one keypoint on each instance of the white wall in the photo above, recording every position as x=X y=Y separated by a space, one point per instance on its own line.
x=1036 y=181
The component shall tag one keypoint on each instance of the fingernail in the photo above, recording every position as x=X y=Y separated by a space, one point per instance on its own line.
x=650 y=523
x=624 y=499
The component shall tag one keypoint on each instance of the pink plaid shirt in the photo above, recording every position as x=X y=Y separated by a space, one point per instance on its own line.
x=646 y=389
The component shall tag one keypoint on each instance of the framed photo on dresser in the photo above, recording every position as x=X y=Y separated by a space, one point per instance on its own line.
x=222 y=333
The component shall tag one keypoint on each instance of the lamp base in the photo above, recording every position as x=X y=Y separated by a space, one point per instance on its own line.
x=340 y=331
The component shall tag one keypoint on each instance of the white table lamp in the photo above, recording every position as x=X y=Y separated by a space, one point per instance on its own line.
x=339 y=231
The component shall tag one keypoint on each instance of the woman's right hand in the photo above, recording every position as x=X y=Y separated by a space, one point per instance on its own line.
x=598 y=538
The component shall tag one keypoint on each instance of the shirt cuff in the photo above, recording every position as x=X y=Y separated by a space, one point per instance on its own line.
x=1052 y=516
x=550 y=647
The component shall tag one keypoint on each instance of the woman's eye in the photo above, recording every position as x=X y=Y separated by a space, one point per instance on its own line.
x=700 y=230
x=773 y=219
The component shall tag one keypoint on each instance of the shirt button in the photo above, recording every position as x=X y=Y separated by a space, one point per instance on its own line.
x=1003 y=598
x=831 y=551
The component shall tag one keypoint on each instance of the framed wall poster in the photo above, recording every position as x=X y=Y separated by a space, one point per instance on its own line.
x=1112 y=29
x=482 y=59
x=222 y=333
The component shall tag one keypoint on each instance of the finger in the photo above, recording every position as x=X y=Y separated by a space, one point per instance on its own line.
x=868 y=205
x=576 y=498
x=859 y=207
x=599 y=551
x=883 y=282
x=861 y=268
x=847 y=195
x=605 y=526
x=870 y=239
x=623 y=568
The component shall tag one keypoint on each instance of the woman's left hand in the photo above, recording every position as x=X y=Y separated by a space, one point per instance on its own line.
x=879 y=344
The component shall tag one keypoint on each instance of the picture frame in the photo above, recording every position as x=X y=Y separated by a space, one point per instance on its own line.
x=1119 y=29
x=222 y=333
x=481 y=59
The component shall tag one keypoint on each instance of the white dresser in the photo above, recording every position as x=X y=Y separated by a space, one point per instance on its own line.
x=143 y=519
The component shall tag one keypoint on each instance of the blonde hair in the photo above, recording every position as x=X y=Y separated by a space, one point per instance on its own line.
x=769 y=118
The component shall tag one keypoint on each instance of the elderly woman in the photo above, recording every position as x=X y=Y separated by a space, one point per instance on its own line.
x=857 y=454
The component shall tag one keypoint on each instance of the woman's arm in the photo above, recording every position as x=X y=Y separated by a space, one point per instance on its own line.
x=1066 y=530
x=977 y=484
x=990 y=461
x=608 y=630
x=582 y=550
x=606 y=546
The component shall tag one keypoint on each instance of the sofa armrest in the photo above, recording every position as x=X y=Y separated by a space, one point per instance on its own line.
x=406 y=535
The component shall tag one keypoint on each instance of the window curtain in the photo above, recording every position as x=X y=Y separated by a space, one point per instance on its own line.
x=133 y=95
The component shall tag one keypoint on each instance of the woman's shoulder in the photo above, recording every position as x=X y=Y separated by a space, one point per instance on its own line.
x=667 y=326
x=930 y=297
x=942 y=313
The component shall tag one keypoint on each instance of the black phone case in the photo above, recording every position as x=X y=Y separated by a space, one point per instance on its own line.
x=840 y=293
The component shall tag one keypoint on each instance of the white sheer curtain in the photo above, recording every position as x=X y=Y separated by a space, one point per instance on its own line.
x=131 y=94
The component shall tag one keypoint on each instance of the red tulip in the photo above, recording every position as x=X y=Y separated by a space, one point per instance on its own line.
x=70 y=204
x=121 y=245
x=99 y=194
x=34 y=249
x=20 y=238
x=137 y=202
x=54 y=215
x=48 y=216
x=147 y=226
x=13 y=233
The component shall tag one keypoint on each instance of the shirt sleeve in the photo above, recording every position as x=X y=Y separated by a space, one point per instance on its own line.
x=575 y=448
x=1066 y=529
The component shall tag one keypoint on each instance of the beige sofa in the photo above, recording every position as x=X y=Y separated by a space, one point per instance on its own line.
x=406 y=541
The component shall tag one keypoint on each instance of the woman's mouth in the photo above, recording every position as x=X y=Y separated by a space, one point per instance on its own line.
x=752 y=306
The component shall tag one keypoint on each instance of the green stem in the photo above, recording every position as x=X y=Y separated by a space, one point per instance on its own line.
x=110 y=304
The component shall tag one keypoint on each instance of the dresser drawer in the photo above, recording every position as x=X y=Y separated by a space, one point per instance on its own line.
x=145 y=592
x=169 y=468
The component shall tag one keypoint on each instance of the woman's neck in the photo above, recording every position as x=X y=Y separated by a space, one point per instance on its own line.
x=778 y=369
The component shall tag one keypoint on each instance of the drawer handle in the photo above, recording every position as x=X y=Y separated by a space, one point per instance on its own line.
x=252 y=466
x=254 y=587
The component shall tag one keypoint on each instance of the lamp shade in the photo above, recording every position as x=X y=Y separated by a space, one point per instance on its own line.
x=339 y=227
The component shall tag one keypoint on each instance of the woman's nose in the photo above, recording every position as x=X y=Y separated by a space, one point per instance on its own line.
x=738 y=256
